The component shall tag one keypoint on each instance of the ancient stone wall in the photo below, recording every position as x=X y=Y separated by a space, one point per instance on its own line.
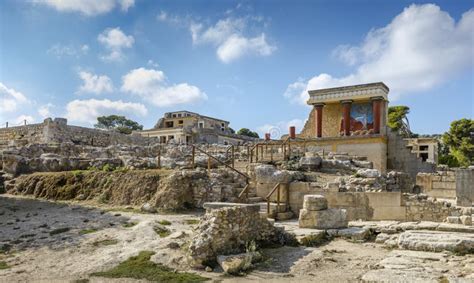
x=57 y=131
x=441 y=184
x=28 y=134
x=400 y=158
x=465 y=186
x=331 y=122
x=422 y=208
x=376 y=206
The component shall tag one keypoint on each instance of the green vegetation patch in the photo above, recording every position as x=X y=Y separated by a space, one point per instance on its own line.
x=164 y=222
x=59 y=231
x=191 y=221
x=129 y=224
x=106 y=242
x=3 y=265
x=162 y=231
x=140 y=267
x=87 y=231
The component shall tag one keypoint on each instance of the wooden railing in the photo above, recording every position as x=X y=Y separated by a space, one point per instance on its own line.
x=209 y=157
x=245 y=192
x=262 y=148
x=276 y=188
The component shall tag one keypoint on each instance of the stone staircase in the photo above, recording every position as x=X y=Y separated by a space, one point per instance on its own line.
x=277 y=212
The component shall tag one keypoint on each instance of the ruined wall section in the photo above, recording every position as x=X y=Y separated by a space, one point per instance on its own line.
x=401 y=158
x=441 y=184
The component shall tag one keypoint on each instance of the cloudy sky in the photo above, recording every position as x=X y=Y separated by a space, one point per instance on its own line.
x=249 y=62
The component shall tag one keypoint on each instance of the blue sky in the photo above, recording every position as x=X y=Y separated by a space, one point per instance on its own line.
x=249 y=62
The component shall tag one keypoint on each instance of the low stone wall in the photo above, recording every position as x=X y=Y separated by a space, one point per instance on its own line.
x=422 y=208
x=375 y=206
x=441 y=184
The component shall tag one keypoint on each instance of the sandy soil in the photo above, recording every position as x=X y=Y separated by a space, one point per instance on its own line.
x=37 y=256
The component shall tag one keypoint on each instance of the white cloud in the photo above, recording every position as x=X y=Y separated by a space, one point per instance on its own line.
x=278 y=129
x=96 y=84
x=126 y=4
x=60 y=50
x=45 y=110
x=228 y=36
x=87 y=7
x=87 y=111
x=152 y=86
x=163 y=16
x=422 y=47
x=114 y=40
x=10 y=99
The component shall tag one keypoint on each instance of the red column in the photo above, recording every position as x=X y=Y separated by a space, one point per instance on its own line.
x=319 y=120
x=377 y=112
x=292 y=132
x=346 y=114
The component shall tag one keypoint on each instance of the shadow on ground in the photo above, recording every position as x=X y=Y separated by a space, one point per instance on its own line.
x=32 y=223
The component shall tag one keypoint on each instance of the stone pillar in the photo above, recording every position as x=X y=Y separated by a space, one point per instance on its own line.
x=346 y=115
x=464 y=188
x=377 y=113
x=318 y=119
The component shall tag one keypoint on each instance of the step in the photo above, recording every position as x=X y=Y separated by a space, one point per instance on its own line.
x=273 y=207
x=255 y=199
x=284 y=215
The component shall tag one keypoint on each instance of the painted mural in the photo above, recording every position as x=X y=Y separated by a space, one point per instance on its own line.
x=362 y=117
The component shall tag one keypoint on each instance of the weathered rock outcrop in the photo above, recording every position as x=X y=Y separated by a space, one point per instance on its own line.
x=163 y=189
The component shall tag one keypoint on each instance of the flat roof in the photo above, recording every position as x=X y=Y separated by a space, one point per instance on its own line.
x=348 y=88
x=189 y=112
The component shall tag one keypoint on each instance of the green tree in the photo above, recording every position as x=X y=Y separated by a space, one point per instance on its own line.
x=248 y=133
x=398 y=120
x=460 y=141
x=117 y=123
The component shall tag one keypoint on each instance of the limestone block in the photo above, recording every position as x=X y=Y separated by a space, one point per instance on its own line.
x=315 y=202
x=434 y=241
x=310 y=163
x=234 y=264
x=363 y=164
x=453 y=219
x=466 y=220
x=368 y=173
x=332 y=218
x=444 y=185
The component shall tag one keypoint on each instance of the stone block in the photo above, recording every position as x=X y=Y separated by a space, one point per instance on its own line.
x=444 y=185
x=466 y=220
x=453 y=219
x=315 y=202
x=332 y=218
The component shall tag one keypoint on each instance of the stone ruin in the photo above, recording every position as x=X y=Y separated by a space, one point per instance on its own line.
x=229 y=228
x=316 y=214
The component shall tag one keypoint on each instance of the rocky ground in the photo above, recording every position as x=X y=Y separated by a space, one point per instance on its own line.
x=49 y=241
